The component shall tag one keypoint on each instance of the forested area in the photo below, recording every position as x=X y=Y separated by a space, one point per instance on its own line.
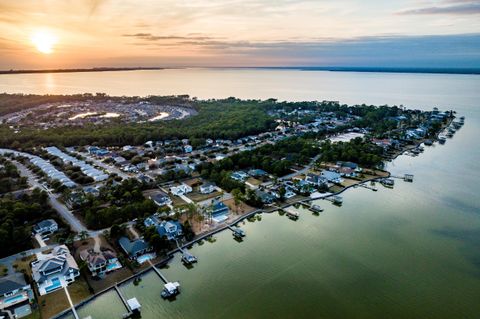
x=276 y=159
x=357 y=150
x=117 y=204
x=17 y=217
x=10 y=179
x=229 y=118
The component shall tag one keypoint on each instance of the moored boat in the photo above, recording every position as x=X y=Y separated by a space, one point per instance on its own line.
x=170 y=289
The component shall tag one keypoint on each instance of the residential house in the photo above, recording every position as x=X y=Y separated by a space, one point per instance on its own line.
x=14 y=291
x=153 y=220
x=100 y=263
x=55 y=270
x=134 y=248
x=45 y=227
x=239 y=176
x=161 y=199
x=265 y=197
x=219 y=208
x=188 y=148
x=332 y=177
x=181 y=189
x=170 y=229
x=257 y=172
x=315 y=180
x=207 y=188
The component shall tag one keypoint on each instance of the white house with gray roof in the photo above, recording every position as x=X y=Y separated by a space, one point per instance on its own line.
x=45 y=227
x=55 y=270
x=14 y=291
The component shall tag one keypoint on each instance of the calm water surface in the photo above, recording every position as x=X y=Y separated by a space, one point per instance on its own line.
x=410 y=252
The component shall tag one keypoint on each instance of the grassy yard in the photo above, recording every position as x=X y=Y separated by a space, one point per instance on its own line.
x=53 y=303
x=34 y=315
x=3 y=270
x=78 y=290
x=199 y=197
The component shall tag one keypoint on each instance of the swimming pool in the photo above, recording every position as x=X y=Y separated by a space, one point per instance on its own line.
x=55 y=285
x=111 y=267
x=13 y=299
x=145 y=258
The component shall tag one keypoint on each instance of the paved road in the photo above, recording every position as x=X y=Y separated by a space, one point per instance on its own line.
x=109 y=168
x=303 y=170
x=67 y=215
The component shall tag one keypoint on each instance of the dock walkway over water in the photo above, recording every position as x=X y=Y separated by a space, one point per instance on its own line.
x=158 y=272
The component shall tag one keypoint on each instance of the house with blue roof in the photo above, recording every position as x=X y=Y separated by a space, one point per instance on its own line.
x=134 y=248
x=170 y=229
x=219 y=208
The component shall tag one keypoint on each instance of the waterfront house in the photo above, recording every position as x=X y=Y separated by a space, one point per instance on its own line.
x=347 y=164
x=100 y=263
x=347 y=172
x=207 y=188
x=55 y=270
x=265 y=197
x=15 y=292
x=45 y=227
x=315 y=180
x=181 y=189
x=134 y=248
x=332 y=177
x=170 y=229
x=219 y=209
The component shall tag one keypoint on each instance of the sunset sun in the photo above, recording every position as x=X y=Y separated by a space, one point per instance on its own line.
x=44 y=41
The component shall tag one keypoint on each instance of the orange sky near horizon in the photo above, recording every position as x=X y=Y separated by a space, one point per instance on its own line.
x=92 y=33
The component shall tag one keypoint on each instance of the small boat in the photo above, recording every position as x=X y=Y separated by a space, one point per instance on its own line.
x=238 y=233
x=338 y=200
x=442 y=139
x=428 y=142
x=293 y=215
x=449 y=134
x=387 y=182
x=188 y=258
x=170 y=289
x=316 y=208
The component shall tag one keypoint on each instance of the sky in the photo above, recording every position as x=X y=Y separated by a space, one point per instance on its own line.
x=44 y=34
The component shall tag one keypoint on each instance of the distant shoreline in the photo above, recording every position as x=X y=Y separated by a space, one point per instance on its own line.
x=76 y=70
x=467 y=71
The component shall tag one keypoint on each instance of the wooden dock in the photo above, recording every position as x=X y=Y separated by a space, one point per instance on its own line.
x=124 y=301
x=158 y=272
x=405 y=177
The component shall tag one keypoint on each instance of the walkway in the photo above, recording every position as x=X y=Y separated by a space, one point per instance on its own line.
x=71 y=303
x=40 y=241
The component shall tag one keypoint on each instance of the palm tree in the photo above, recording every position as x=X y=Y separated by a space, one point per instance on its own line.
x=83 y=235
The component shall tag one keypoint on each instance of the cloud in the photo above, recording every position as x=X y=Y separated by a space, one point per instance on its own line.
x=462 y=50
x=463 y=8
x=151 y=37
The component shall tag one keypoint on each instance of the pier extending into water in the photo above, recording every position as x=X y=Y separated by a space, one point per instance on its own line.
x=158 y=272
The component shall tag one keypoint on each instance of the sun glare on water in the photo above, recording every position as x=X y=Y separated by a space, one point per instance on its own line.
x=44 y=41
